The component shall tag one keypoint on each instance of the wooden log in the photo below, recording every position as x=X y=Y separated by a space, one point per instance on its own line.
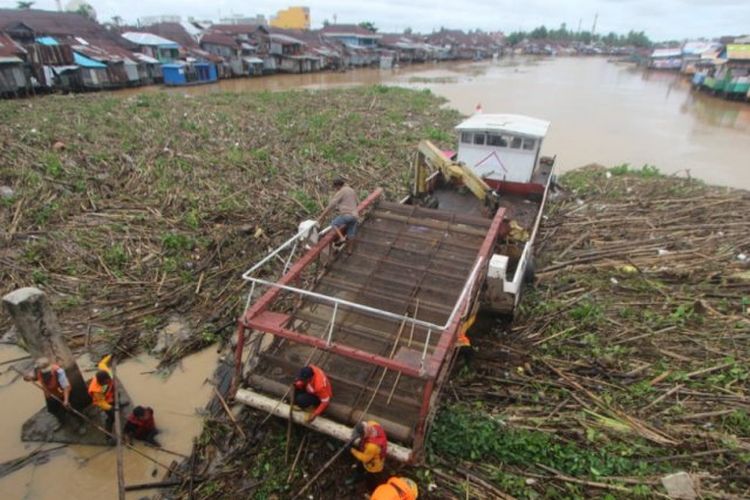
x=320 y=424
x=395 y=430
x=37 y=325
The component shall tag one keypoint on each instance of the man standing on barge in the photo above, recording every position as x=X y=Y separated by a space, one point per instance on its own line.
x=344 y=202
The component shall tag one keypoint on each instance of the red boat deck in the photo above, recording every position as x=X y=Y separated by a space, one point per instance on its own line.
x=408 y=261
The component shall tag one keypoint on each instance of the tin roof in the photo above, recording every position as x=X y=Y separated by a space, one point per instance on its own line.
x=237 y=29
x=9 y=48
x=738 y=51
x=149 y=39
x=45 y=22
x=277 y=37
x=524 y=125
x=171 y=31
x=219 y=39
x=348 y=30
x=660 y=53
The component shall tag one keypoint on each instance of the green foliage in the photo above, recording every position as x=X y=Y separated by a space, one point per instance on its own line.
x=115 y=256
x=438 y=135
x=39 y=277
x=737 y=422
x=44 y=213
x=175 y=242
x=466 y=433
x=192 y=218
x=563 y=34
x=586 y=312
x=52 y=165
x=310 y=205
x=645 y=171
x=735 y=372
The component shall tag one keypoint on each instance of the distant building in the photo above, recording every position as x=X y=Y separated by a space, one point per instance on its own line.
x=149 y=20
x=259 y=20
x=294 y=18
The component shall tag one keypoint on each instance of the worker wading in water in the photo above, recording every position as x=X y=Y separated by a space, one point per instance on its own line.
x=370 y=445
x=344 y=202
x=396 y=488
x=56 y=387
x=102 y=391
x=312 y=389
x=141 y=425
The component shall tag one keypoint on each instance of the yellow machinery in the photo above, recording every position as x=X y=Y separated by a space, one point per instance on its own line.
x=430 y=161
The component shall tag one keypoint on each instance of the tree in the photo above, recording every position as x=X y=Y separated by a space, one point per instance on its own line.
x=515 y=38
x=326 y=22
x=539 y=33
x=87 y=11
x=369 y=26
x=24 y=5
x=117 y=20
x=407 y=31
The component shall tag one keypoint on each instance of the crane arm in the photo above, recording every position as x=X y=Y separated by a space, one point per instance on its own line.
x=451 y=170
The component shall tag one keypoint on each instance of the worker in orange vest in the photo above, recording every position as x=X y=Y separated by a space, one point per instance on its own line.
x=397 y=488
x=312 y=388
x=370 y=447
x=55 y=384
x=102 y=391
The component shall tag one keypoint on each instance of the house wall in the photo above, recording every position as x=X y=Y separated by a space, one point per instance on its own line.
x=219 y=50
x=12 y=77
x=95 y=78
x=355 y=40
x=289 y=65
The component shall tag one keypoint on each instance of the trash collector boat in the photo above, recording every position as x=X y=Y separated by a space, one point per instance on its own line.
x=384 y=322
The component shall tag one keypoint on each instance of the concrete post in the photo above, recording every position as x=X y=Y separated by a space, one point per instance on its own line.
x=37 y=325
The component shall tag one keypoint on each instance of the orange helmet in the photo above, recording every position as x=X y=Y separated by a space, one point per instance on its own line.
x=397 y=488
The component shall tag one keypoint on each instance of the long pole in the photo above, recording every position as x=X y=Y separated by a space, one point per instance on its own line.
x=118 y=435
x=102 y=429
x=323 y=469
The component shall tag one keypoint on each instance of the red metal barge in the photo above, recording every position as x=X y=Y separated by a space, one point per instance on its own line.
x=383 y=322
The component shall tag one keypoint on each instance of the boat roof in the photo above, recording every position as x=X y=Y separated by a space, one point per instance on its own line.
x=520 y=124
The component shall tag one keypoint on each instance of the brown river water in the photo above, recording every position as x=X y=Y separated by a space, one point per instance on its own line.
x=89 y=472
x=601 y=112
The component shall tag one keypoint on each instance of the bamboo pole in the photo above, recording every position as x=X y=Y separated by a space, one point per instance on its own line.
x=118 y=435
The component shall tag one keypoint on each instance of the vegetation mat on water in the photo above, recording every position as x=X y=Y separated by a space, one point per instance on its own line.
x=129 y=210
x=629 y=358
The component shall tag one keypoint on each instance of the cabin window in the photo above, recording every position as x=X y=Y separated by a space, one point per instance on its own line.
x=479 y=139
x=528 y=144
x=466 y=137
x=516 y=143
x=496 y=140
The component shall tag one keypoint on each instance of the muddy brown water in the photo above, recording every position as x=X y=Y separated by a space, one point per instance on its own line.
x=601 y=112
x=89 y=472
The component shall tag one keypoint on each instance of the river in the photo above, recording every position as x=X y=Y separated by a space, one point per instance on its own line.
x=601 y=112
x=88 y=472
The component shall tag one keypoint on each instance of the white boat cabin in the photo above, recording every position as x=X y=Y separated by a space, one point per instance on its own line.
x=501 y=147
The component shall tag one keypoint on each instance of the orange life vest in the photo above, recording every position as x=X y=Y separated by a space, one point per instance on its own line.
x=108 y=391
x=52 y=386
x=319 y=385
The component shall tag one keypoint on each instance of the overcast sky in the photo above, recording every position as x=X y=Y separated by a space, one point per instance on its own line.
x=660 y=19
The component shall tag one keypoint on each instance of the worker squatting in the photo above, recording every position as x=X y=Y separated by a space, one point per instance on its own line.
x=369 y=442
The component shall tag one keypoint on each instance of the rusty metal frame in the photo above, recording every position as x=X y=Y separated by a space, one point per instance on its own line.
x=258 y=316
